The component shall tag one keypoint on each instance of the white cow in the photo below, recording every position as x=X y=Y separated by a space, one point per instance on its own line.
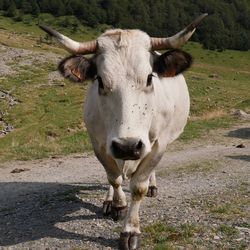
x=137 y=104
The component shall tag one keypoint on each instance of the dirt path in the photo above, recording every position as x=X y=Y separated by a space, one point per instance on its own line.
x=56 y=203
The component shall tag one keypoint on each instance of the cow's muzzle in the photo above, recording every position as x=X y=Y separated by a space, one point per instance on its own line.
x=127 y=148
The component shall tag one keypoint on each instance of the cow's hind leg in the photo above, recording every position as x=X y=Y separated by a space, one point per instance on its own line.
x=152 y=188
x=115 y=203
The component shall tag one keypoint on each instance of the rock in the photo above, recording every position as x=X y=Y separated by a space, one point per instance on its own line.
x=243 y=229
x=241 y=114
x=239 y=239
x=240 y=146
x=19 y=170
x=216 y=237
x=8 y=128
x=213 y=76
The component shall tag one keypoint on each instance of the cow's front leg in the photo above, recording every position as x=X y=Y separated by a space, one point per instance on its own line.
x=115 y=203
x=107 y=204
x=152 y=188
x=130 y=236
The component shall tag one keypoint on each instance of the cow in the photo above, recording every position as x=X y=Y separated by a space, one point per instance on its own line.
x=137 y=104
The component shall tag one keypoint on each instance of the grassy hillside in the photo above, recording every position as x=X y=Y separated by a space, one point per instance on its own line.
x=219 y=82
x=28 y=36
x=46 y=111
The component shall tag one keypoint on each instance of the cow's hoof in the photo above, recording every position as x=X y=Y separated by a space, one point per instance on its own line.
x=107 y=207
x=152 y=191
x=129 y=241
x=118 y=213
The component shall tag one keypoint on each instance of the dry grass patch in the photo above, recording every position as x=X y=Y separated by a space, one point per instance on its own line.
x=203 y=167
x=210 y=115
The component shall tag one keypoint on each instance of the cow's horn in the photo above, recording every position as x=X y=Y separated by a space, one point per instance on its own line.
x=70 y=45
x=178 y=39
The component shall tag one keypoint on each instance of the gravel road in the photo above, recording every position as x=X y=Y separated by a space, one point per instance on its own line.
x=56 y=203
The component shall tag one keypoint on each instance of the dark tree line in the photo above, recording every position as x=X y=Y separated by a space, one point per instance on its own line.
x=228 y=25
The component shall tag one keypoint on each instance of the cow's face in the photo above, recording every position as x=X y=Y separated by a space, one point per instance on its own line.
x=124 y=72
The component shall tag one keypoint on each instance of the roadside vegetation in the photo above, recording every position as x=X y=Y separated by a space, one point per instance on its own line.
x=47 y=115
x=218 y=220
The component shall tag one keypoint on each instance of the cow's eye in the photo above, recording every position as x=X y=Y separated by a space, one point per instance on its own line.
x=100 y=85
x=149 y=80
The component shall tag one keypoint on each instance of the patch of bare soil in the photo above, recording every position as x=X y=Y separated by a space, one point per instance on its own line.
x=21 y=57
x=56 y=203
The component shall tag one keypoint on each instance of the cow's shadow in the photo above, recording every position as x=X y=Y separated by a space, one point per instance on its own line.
x=37 y=214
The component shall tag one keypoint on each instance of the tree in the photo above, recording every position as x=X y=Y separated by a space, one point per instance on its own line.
x=59 y=6
x=111 y=9
x=35 y=7
x=12 y=10
x=44 y=6
x=5 y=4
x=1 y=4
x=214 y=35
x=26 y=7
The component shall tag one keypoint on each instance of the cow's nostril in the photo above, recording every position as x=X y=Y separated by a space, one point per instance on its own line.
x=116 y=145
x=139 y=145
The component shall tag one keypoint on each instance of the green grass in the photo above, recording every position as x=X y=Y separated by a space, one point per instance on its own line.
x=48 y=119
x=218 y=82
x=228 y=230
x=203 y=167
x=220 y=214
x=197 y=128
x=164 y=236
x=28 y=35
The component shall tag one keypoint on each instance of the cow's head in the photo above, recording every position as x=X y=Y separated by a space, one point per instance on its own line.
x=125 y=70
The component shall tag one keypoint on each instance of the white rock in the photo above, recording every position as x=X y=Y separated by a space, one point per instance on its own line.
x=216 y=237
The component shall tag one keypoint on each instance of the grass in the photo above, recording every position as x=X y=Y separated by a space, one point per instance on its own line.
x=228 y=230
x=220 y=214
x=164 y=236
x=199 y=127
x=193 y=167
x=28 y=35
x=48 y=119
x=217 y=84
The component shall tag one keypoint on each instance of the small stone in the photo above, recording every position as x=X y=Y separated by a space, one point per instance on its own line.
x=243 y=229
x=241 y=114
x=213 y=76
x=216 y=237
x=239 y=239
x=19 y=170
x=240 y=146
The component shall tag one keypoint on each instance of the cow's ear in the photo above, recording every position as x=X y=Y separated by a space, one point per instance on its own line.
x=172 y=63
x=77 y=68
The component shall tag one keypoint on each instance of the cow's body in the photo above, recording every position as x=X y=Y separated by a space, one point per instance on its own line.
x=137 y=104
x=158 y=120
